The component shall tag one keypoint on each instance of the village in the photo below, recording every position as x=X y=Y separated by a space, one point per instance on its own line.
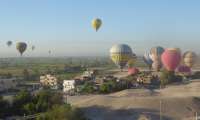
x=90 y=81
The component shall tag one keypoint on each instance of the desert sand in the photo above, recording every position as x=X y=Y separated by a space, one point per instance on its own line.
x=177 y=102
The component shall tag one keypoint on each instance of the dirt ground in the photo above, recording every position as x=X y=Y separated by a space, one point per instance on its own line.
x=175 y=102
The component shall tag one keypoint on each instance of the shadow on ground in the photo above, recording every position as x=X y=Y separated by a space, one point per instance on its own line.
x=105 y=113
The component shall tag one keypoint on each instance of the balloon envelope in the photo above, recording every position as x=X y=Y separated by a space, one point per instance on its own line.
x=9 y=43
x=156 y=53
x=21 y=47
x=147 y=59
x=189 y=58
x=171 y=59
x=133 y=71
x=184 y=69
x=132 y=60
x=120 y=54
x=157 y=65
x=96 y=23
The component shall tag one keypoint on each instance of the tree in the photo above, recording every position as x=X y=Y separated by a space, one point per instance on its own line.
x=63 y=112
x=87 y=88
x=29 y=108
x=105 y=88
x=4 y=107
x=169 y=77
x=22 y=98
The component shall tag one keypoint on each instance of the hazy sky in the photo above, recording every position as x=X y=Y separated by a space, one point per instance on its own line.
x=64 y=26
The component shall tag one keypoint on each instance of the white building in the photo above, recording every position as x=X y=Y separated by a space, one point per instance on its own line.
x=8 y=83
x=89 y=74
x=68 y=85
x=49 y=80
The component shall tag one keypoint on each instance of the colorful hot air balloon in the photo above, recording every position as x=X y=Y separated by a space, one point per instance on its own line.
x=96 y=23
x=133 y=71
x=184 y=70
x=156 y=53
x=9 y=43
x=120 y=54
x=147 y=59
x=171 y=59
x=189 y=58
x=157 y=65
x=21 y=47
x=132 y=60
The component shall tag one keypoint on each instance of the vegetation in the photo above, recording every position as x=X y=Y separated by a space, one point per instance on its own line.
x=63 y=112
x=169 y=77
x=88 y=87
x=48 y=103
x=4 y=107
x=110 y=86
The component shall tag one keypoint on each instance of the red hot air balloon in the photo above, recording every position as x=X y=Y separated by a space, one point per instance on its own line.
x=171 y=59
x=133 y=71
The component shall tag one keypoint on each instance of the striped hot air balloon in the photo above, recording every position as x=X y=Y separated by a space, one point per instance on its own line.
x=121 y=54
x=157 y=65
x=171 y=59
x=156 y=53
x=147 y=59
x=189 y=58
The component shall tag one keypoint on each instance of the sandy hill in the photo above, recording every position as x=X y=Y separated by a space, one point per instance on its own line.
x=178 y=102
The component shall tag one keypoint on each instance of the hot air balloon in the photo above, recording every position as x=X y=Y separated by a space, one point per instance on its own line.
x=157 y=65
x=189 y=58
x=171 y=59
x=33 y=47
x=132 y=60
x=133 y=71
x=147 y=59
x=120 y=54
x=96 y=23
x=21 y=47
x=9 y=43
x=156 y=53
x=184 y=70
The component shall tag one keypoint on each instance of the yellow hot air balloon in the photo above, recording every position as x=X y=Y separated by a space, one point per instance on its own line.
x=96 y=23
x=120 y=54
x=189 y=58
x=132 y=60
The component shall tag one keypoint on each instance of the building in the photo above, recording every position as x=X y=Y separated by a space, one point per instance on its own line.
x=49 y=81
x=68 y=85
x=89 y=75
x=8 y=83
x=31 y=86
